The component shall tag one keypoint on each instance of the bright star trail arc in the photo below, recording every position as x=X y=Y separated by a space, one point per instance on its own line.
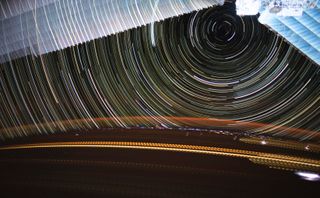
x=206 y=64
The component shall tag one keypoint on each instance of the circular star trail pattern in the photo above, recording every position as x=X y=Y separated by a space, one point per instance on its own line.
x=207 y=64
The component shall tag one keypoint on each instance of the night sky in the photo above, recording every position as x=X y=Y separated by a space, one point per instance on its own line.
x=207 y=64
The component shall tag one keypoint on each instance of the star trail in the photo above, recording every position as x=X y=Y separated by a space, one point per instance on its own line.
x=209 y=64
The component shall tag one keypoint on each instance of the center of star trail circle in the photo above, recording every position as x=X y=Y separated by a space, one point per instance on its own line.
x=221 y=29
x=221 y=43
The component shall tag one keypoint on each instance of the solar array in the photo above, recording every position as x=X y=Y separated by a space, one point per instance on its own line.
x=39 y=27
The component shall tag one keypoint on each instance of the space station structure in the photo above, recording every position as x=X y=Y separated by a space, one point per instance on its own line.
x=276 y=7
x=39 y=27
x=43 y=26
x=298 y=21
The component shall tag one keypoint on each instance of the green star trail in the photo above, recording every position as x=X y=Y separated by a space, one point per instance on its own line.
x=207 y=65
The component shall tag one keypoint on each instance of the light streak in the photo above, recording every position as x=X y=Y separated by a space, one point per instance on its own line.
x=308 y=176
x=251 y=155
x=208 y=69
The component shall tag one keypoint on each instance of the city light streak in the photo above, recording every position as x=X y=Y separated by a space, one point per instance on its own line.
x=267 y=158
